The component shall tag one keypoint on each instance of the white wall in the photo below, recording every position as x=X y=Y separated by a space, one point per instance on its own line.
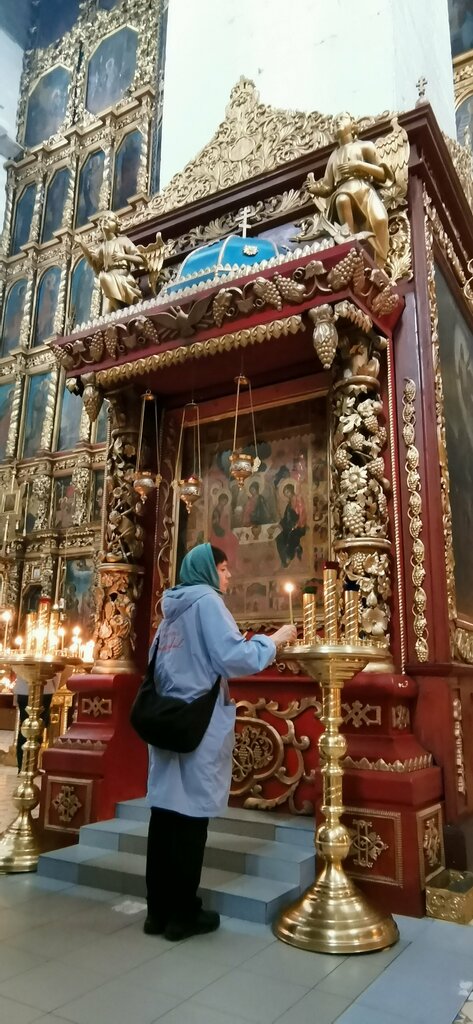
x=362 y=55
x=11 y=60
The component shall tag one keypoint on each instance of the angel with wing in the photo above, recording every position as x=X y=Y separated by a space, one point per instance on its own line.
x=154 y=256
x=113 y=261
x=361 y=180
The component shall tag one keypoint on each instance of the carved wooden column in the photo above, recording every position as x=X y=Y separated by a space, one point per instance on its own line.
x=360 y=488
x=120 y=574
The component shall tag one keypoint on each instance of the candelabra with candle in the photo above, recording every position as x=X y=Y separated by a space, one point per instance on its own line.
x=20 y=844
x=333 y=916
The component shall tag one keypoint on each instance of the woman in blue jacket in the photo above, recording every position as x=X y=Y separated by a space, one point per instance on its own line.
x=198 y=641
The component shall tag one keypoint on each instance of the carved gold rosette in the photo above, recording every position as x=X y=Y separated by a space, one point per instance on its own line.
x=414 y=513
x=359 y=485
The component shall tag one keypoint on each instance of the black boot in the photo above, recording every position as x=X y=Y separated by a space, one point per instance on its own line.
x=205 y=921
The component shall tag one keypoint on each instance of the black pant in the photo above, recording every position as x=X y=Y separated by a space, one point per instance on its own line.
x=22 y=701
x=175 y=854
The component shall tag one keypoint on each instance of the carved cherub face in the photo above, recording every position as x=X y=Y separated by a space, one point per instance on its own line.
x=344 y=127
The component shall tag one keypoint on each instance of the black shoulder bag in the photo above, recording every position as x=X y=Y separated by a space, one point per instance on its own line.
x=169 y=722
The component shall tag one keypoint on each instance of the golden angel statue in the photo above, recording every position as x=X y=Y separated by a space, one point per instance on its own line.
x=361 y=181
x=113 y=260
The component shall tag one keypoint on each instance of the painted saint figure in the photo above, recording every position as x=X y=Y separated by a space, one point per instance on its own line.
x=112 y=261
x=221 y=532
x=255 y=512
x=293 y=527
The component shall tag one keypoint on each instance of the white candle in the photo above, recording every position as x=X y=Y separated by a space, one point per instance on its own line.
x=289 y=587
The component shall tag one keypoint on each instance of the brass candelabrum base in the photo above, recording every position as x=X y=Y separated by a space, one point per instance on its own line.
x=20 y=844
x=333 y=916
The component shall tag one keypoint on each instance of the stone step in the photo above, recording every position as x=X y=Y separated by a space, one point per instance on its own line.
x=255 y=863
x=238 y=853
x=285 y=828
x=236 y=895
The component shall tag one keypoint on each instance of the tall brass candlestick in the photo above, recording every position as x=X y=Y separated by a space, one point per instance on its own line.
x=20 y=844
x=330 y=602
x=333 y=916
x=352 y=601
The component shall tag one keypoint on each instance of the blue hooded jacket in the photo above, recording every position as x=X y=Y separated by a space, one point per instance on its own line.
x=199 y=640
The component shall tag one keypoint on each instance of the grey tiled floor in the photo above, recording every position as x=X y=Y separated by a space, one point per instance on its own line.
x=71 y=954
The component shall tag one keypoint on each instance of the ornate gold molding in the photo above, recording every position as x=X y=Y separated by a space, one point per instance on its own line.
x=462 y=159
x=459 y=747
x=433 y=228
x=358 y=714
x=414 y=513
x=411 y=764
x=430 y=842
x=389 y=822
x=201 y=349
x=461 y=640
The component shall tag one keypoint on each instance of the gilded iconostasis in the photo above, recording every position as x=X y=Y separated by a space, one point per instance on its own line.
x=89 y=122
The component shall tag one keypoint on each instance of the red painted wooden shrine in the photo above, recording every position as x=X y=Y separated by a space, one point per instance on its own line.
x=408 y=783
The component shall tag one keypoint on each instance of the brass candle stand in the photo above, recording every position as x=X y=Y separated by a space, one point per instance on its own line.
x=20 y=844
x=333 y=916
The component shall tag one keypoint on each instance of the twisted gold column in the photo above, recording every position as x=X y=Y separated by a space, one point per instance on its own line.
x=20 y=844
x=333 y=916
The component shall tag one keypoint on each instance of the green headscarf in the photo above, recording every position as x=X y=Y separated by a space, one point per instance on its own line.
x=198 y=566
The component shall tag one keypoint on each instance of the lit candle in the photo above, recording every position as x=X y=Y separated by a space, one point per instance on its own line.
x=289 y=587
x=6 y=617
x=61 y=634
x=18 y=641
x=88 y=654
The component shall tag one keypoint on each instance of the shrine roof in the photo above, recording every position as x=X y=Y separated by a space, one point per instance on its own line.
x=244 y=307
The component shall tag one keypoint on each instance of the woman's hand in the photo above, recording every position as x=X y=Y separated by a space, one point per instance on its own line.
x=284 y=635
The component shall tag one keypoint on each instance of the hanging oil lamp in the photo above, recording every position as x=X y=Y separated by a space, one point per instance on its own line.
x=145 y=480
x=243 y=465
x=190 y=488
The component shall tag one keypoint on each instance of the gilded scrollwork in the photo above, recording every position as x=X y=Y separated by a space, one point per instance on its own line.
x=414 y=513
x=259 y=753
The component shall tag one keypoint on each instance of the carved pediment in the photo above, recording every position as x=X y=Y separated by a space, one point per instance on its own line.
x=253 y=139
